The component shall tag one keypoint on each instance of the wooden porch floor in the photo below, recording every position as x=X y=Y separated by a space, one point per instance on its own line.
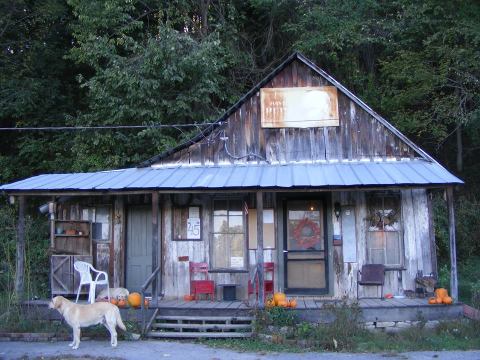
x=302 y=304
x=373 y=310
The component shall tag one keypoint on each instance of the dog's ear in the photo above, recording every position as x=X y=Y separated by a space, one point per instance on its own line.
x=57 y=302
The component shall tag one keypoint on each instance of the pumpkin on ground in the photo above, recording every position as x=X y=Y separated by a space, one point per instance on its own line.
x=447 y=300
x=439 y=300
x=432 y=301
x=277 y=297
x=135 y=300
x=292 y=303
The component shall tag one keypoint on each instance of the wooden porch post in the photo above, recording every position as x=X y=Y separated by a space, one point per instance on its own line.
x=260 y=268
x=453 y=246
x=155 y=244
x=119 y=241
x=20 y=273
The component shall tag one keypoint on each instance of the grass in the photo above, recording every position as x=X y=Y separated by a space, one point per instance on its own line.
x=453 y=335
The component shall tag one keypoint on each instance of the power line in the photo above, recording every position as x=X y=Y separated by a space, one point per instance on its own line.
x=107 y=127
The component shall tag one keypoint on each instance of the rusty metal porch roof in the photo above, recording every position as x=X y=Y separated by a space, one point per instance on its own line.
x=418 y=173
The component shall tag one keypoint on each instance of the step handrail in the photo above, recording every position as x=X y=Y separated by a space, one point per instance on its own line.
x=145 y=286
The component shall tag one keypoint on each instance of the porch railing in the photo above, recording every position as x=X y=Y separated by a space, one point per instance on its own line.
x=153 y=276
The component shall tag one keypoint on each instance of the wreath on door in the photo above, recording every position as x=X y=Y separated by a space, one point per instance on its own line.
x=306 y=234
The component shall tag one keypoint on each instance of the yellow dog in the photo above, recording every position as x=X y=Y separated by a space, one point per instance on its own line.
x=79 y=315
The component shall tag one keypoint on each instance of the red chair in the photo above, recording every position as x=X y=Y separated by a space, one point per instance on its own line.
x=198 y=287
x=268 y=281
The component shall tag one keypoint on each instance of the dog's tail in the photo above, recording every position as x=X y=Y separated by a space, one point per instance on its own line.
x=118 y=317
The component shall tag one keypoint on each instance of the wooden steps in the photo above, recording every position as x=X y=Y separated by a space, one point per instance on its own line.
x=172 y=326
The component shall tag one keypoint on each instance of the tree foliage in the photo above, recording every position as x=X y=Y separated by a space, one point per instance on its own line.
x=143 y=62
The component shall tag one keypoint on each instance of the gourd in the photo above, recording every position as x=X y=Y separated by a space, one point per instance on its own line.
x=277 y=297
x=292 y=303
x=439 y=300
x=135 y=300
x=432 y=301
x=447 y=300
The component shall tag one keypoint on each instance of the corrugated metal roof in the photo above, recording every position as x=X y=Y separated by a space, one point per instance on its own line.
x=280 y=176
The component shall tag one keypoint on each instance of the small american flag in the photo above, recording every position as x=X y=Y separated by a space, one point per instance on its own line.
x=245 y=207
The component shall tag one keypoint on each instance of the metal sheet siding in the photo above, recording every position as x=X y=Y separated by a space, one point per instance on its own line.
x=305 y=175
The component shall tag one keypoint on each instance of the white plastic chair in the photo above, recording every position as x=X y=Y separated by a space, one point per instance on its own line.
x=101 y=278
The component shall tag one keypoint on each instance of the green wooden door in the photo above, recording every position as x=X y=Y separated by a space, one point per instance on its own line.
x=139 y=247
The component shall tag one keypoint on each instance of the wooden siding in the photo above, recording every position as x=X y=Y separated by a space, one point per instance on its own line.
x=359 y=135
x=416 y=245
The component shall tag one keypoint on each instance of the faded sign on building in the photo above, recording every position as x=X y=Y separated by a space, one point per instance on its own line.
x=299 y=107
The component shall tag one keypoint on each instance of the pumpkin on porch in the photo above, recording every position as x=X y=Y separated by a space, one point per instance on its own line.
x=282 y=303
x=441 y=293
x=447 y=300
x=292 y=303
x=135 y=299
x=277 y=297
x=432 y=301
x=269 y=303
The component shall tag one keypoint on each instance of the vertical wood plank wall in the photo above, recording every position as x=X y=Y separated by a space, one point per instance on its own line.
x=416 y=244
x=358 y=136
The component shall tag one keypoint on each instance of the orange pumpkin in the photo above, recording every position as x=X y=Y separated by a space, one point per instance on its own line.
x=122 y=303
x=292 y=303
x=269 y=303
x=282 y=303
x=135 y=300
x=432 y=301
x=113 y=301
x=439 y=300
x=447 y=300
x=441 y=293
x=146 y=303
x=188 y=297
x=277 y=297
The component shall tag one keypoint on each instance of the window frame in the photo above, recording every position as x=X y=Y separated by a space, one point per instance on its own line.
x=213 y=233
x=395 y=196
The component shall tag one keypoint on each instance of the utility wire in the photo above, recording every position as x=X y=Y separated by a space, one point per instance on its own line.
x=74 y=128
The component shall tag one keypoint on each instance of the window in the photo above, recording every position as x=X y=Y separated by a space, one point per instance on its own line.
x=100 y=218
x=384 y=244
x=228 y=247
x=268 y=229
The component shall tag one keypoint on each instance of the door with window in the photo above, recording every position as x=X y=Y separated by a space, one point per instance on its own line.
x=305 y=248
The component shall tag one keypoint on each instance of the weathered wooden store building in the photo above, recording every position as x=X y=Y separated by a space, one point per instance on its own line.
x=299 y=173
